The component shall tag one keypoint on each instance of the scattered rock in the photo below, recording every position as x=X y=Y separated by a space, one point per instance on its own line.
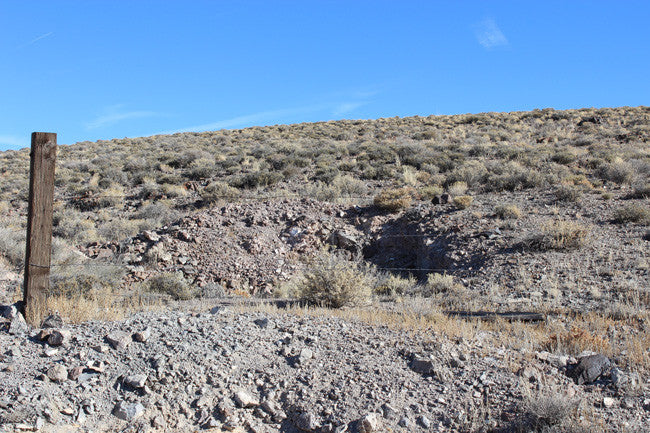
x=244 y=399
x=57 y=373
x=308 y=422
x=370 y=423
x=136 y=380
x=52 y=321
x=590 y=368
x=18 y=326
x=305 y=355
x=58 y=337
x=608 y=401
x=128 y=411
x=142 y=336
x=422 y=365
x=119 y=340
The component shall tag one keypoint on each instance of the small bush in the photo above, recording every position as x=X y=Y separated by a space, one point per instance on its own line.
x=641 y=191
x=508 y=211
x=335 y=282
x=457 y=188
x=217 y=192
x=439 y=283
x=463 y=201
x=395 y=199
x=634 y=213
x=568 y=193
x=559 y=235
x=172 y=284
x=395 y=285
x=430 y=191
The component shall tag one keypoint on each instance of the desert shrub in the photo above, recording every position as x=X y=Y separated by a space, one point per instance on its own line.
x=341 y=187
x=559 y=235
x=395 y=285
x=394 y=199
x=507 y=211
x=463 y=201
x=113 y=196
x=256 y=179
x=564 y=157
x=568 y=193
x=157 y=213
x=641 y=191
x=457 y=188
x=636 y=213
x=202 y=168
x=173 y=190
x=575 y=341
x=73 y=225
x=548 y=412
x=511 y=176
x=12 y=245
x=334 y=281
x=440 y=283
x=119 y=229
x=430 y=191
x=218 y=192
x=618 y=171
x=172 y=284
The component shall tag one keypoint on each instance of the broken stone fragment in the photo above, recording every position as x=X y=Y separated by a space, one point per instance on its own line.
x=308 y=422
x=369 y=423
x=128 y=411
x=244 y=399
x=52 y=321
x=57 y=373
x=136 y=380
x=18 y=326
x=305 y=355
x=58 y=337
x=422 y=365
x=142 y=336
x=590 y=368
x=119 y=340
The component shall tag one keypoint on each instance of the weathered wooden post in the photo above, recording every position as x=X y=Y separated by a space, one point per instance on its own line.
x=39 y=225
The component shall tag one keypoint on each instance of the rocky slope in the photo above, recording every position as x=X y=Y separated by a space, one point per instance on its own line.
x=237 y=369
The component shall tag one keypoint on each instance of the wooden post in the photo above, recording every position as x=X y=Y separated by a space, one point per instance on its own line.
x=39 y=225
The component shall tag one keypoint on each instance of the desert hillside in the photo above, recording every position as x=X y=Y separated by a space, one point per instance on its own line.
x=478 y=272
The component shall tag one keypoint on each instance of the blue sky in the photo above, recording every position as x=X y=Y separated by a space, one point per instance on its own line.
x=92 y=70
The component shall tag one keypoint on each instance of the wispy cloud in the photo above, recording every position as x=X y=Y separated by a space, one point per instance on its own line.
x=114 y=114
x=489 y=35
x=36 y=39
x=251 y=119
x=347 y=107
x=328 y=108
x=12 y=142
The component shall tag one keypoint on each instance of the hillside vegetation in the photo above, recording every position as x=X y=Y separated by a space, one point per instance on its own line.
x=391 y=235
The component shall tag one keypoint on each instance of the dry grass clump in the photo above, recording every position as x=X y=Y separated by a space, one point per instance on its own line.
x=633 y=213
x=575 y=341
x=172 y=284
x=457 y=188
x=568 y=193
x=549 y=411
x=463 y=201
x=508 y=211
x=440 y=283
x=395 y=285
x=334 y=281
x=217 y=192
x=395 y=199
x=559 y=235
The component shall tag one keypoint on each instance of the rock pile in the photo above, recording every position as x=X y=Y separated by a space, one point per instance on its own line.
x=249 y=371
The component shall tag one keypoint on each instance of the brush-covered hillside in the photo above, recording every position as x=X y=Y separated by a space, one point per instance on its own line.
x=467 y=273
